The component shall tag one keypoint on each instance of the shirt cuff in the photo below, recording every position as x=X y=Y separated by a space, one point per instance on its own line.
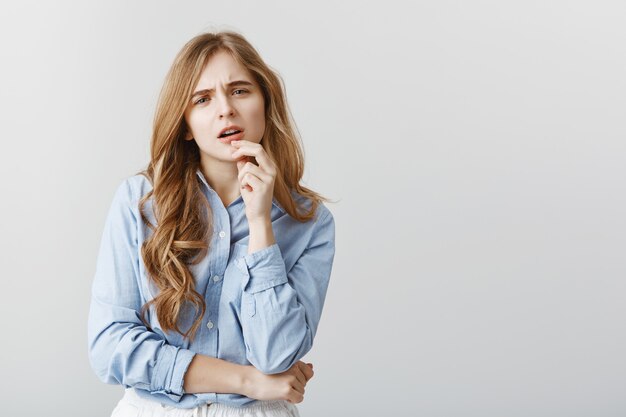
x=170 y=369
x=262 y=269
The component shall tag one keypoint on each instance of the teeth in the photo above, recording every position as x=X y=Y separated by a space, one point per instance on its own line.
x=229 y=132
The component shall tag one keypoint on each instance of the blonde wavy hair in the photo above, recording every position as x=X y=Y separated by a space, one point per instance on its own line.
x=182 y=212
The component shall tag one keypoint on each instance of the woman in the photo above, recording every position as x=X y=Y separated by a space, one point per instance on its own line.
x=214 y=261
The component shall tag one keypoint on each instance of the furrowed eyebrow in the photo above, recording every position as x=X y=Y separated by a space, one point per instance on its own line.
x=231 y=84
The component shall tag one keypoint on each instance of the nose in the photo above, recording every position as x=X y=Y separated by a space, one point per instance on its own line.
x=226 y=108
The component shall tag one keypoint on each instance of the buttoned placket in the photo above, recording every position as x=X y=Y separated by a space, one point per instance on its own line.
x=221 y=247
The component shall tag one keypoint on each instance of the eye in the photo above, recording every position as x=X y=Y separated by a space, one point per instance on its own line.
x=241 y=89
x=199 y=101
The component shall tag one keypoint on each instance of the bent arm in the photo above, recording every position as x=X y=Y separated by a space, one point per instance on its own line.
x=127 y=353
x=280 y=310
x=121 y=349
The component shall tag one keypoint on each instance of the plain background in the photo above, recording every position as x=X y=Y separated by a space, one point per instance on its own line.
x=477 y=152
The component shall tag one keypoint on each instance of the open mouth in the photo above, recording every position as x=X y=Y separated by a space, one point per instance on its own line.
x=229 y=137
x=229 y=132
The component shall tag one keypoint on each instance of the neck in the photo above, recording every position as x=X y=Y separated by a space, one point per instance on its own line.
x=222 y=177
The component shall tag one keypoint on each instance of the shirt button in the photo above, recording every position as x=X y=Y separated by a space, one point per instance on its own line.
x=209 y=324
x=222 y=233
x=216 y=278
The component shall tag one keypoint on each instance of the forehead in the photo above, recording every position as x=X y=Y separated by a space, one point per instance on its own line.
x=222 y=68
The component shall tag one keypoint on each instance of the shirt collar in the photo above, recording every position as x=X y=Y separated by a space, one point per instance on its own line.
x=201 y=176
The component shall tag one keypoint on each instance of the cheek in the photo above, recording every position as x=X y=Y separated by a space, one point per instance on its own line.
x=258 y=115
x=198 y=124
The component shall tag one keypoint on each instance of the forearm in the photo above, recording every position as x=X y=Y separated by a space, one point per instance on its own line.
x=207 y=374
x=261 y=235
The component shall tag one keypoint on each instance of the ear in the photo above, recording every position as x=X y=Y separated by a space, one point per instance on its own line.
x=188 y=136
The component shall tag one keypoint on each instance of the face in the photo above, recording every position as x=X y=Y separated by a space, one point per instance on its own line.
x=226 y=95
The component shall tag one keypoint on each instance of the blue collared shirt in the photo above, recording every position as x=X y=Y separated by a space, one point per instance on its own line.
x=263 y=308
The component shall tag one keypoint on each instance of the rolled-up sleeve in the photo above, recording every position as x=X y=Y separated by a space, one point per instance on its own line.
x=280 y=309
x=121 y=349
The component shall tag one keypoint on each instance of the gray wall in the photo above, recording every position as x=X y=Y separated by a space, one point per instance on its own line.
x=478 y=152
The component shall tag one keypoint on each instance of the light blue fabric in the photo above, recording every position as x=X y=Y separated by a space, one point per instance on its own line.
x=263 y=308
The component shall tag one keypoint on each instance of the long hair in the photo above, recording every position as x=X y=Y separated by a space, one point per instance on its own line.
x=182 y=212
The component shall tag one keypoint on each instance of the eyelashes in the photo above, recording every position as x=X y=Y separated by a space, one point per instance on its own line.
x=206 y=98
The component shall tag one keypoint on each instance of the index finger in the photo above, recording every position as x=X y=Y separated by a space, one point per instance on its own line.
x=306 y=370
x=256 y=149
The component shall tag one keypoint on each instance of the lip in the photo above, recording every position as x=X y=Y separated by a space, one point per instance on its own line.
x=235 y=127
x=230 y=138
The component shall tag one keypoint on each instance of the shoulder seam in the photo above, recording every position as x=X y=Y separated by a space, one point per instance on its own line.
x=325 y=214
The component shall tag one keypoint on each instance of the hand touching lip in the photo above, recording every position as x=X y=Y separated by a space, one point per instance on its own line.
x=257 y=181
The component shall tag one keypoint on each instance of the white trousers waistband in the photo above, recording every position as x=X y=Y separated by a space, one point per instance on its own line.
x=132 y=405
